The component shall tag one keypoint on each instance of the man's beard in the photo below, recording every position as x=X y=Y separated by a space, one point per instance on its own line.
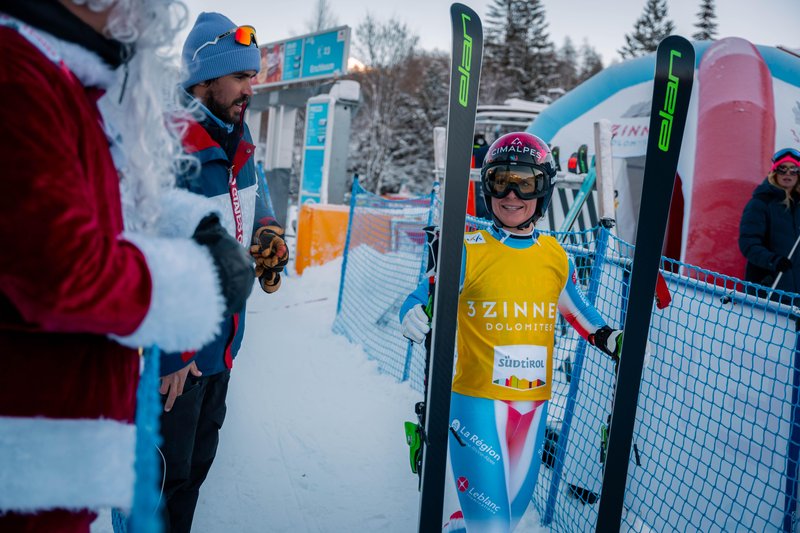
x=225 y=112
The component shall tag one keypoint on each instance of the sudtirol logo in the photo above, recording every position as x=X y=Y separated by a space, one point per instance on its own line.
x=466 y=64
x=507 y=362
x=520 y=366
x=667 y=112
x=474 y=238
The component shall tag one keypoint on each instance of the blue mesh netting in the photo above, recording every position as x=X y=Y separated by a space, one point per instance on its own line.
x=383 y=260
x=717 y=433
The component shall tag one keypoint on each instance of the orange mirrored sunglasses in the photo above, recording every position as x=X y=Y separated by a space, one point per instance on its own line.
x=244 y=35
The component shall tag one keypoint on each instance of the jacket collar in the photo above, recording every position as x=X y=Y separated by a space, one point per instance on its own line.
x=52 y=17
x=74 y=60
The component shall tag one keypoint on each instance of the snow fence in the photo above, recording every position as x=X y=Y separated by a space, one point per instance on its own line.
x=717 y=433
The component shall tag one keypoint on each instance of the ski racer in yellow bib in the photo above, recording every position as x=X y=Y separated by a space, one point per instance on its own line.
x=513 y=282
x=507 y=316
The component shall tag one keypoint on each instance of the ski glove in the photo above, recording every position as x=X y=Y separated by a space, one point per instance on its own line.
x=234 y=267
x=416 y=324
x=271 y=255
x=608 y=340
x=783 y=264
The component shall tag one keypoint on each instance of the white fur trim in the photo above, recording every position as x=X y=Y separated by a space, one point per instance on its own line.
x=71 y=464
x=87 y=66
x=181 y=212
x=187 y=304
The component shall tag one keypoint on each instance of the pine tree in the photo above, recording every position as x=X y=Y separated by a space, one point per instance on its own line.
x=502 y=41
x=567 y=65
x=648 y=31
x=423 y=105
x=387 y=49
x=519 y=59
x=590 y=62
x=706 y=25
x=541 y=61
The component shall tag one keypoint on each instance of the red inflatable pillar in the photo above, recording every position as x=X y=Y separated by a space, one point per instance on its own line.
x=471 y=193
x=735 y=140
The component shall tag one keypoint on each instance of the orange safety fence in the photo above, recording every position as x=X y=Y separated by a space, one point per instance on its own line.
x=321 y=234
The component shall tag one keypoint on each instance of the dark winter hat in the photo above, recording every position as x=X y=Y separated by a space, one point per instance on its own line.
x=212 y=50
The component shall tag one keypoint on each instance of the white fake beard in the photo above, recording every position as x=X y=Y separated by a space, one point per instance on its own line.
x=148 y=150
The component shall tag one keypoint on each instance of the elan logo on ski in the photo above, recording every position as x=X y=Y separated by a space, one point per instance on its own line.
x=466 y=64
x=667 y=113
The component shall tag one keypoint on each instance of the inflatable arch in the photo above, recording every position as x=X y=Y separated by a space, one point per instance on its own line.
x=745 y=105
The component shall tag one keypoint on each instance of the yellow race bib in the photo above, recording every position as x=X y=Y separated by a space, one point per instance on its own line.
x=506 y=318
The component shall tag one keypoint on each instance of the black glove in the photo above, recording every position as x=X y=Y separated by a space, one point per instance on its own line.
x=234 y=266
x=608 y=340
x=783 y=265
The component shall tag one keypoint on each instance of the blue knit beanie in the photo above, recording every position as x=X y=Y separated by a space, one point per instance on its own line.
x=216 y=60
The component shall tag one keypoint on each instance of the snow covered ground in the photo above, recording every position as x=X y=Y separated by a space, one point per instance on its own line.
x=313 y=440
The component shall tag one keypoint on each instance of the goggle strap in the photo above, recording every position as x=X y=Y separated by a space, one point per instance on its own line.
x=790 y=152
x=785 y=159
x=244 y=35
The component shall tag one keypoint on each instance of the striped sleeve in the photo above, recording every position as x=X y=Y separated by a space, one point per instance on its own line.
x=574 y=306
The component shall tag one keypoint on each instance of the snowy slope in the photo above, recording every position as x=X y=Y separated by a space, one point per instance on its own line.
x=313 y=440
x=314 y=437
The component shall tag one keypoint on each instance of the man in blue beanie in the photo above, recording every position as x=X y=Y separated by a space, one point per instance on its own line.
x=220 y=61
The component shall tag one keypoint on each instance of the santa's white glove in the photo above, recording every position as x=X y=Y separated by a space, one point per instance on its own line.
x=416 y=324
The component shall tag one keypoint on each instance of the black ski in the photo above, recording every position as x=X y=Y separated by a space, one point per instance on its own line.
x=465 y=71
x=672 y=89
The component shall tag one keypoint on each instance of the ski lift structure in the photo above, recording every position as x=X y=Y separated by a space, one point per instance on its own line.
x=495 y=120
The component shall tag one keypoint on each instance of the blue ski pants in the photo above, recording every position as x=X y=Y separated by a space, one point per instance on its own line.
x=495 y=459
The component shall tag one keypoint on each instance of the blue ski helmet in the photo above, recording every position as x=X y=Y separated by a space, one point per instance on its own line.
x=520 y=149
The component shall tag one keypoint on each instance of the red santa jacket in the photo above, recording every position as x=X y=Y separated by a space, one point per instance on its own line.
x=69 y=278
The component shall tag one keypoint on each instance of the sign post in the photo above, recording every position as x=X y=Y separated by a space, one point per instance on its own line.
x=316 y=151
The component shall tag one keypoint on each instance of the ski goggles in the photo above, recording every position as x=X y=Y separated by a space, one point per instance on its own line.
x=787 y=155
x=527 y=182
x=244 y=35
x=788 y=171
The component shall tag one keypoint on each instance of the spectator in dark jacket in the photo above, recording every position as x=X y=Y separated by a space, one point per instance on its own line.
x=770 y=225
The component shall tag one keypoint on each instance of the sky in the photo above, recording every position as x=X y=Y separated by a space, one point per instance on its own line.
x=603 y=24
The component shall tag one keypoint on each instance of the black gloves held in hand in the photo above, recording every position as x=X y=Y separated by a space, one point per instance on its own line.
x=783 y=265
x=234 y=267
